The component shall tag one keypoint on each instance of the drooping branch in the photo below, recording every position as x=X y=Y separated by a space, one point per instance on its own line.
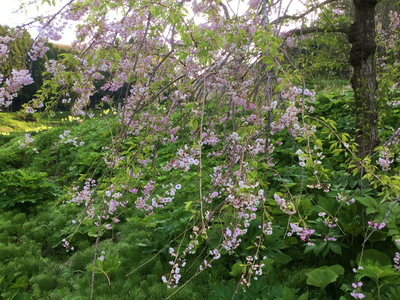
x=309 y=30
x=302 y=15
x=226 y=12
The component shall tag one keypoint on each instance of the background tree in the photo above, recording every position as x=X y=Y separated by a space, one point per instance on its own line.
x=358 y=24
x=18 y=50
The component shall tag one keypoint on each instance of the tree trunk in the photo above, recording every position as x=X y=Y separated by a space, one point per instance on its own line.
x=363 y=80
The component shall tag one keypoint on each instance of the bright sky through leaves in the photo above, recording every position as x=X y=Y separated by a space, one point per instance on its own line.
x=12 y=19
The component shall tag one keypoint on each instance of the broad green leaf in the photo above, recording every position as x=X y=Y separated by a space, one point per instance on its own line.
x=237 y=269
x=189 y=106
x=374 y=256
x=336 y=248
x=321 y=278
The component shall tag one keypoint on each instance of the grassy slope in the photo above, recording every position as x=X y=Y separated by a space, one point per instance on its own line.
x=30 y=235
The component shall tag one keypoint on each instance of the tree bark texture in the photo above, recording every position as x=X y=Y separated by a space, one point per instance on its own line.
x=363 y=81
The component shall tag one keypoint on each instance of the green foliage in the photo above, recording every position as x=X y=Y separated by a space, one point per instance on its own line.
x=31 y=235
x=13 y=288
x=20 y=186
x=321 y=204
x=323 y=56
x=258 y=290
x=325 y=275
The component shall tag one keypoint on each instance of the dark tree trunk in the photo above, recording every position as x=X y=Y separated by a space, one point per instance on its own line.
x=363 y=80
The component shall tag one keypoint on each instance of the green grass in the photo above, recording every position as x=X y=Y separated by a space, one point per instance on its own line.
x=325 y=85
x=20 y=122
x=10 y=122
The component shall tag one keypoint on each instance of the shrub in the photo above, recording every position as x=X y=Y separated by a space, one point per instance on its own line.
x=20 y=186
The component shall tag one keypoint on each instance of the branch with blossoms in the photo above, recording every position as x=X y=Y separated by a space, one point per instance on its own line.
x=207 y=106
x=224 y=75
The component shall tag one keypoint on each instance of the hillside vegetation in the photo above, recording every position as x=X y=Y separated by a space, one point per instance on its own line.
x=48 y=245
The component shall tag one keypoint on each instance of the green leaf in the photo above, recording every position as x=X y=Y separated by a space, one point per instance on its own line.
x=202 y=53
x=338 y=269
x=303 y=296
x=237 y=269
x=19 y=283
x=189 y=106
x=288 y=294
x=195 y=124
x=321 y=278
x=376 y=272
x=336 y=248
x=318 y=248
x=369 y=202
x=92 y=232
x=374 y=256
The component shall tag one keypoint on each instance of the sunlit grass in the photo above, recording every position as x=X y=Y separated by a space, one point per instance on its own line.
x=12 y=122
x=17 y=122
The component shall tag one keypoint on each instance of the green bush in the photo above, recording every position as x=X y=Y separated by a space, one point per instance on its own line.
x=21 y=186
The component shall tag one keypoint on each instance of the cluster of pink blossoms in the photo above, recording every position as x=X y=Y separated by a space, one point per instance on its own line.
x=54 y=67
x=18 y=79
x=141 y=202
x=49 y=31
x=66 y=139
x=356 y=294
x=330 y=223
x=38 y=49
x=14 y=83
x=291 y=41
x=256 y=268
x=84 y=196
x=145 y=203
x=285 y=207
x=209 y=138
x=232 y=238
x=302 y=232
x=185 y=159
x=174 y=275
x=376 y=226
x=112 y=200
x=3 y=46
x=66 y=245
x=396 y=260
x=345 y=199
x=385 y=159
x=253 y=4
x=266 y=228
x=27 y=142
x=289 y=118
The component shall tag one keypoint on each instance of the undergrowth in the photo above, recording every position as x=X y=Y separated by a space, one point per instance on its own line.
x=132 y=257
